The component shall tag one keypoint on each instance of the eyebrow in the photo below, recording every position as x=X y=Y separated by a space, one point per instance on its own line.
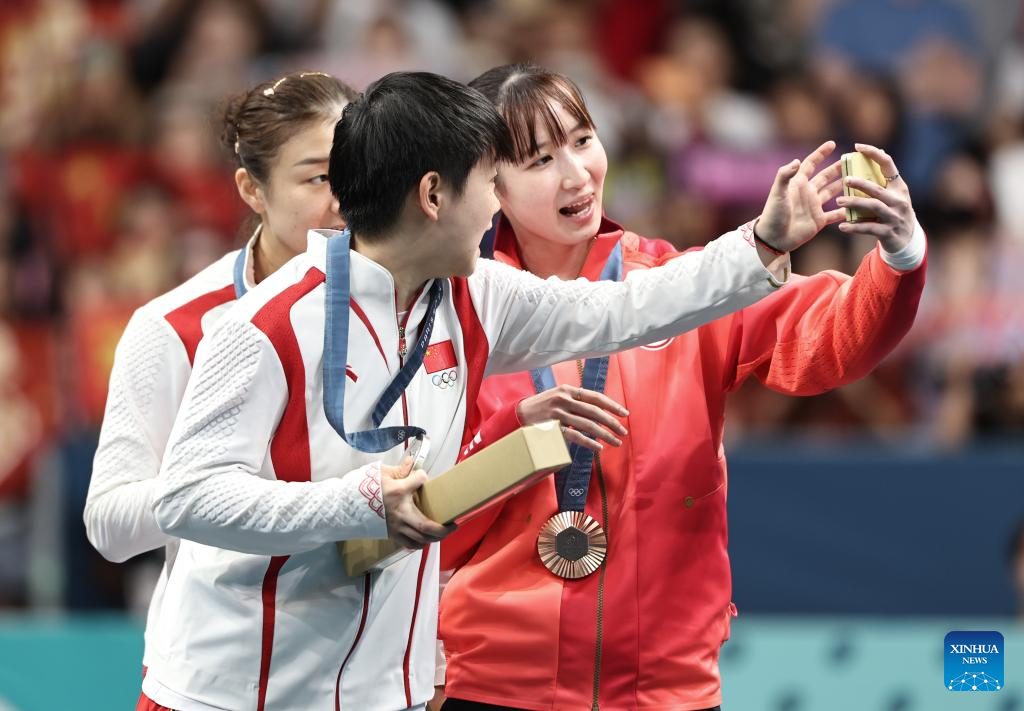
x=311 y=161
x=580 y=125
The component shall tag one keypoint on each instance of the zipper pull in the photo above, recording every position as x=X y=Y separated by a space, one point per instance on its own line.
x=402 y=350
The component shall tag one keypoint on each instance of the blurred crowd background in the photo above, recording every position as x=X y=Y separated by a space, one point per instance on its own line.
x=114 y=188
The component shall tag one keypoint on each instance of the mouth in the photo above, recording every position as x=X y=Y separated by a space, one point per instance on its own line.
x=579 y=211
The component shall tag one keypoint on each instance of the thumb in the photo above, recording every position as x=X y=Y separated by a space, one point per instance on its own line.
x=404 y=469
x=411 y=483
x=783 y=176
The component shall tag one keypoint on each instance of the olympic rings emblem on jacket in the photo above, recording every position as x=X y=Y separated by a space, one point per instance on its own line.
x=445 y=380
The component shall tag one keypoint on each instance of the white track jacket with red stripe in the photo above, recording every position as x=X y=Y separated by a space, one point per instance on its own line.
x=258 y=611
x=152 y=364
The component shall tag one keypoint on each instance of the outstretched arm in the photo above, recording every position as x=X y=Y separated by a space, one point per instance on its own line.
x=830 y=329
x=532 y=322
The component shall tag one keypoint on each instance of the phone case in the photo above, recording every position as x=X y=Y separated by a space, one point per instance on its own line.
x=858 y=165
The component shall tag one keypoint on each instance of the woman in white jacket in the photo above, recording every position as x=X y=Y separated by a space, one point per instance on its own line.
x=280 y=134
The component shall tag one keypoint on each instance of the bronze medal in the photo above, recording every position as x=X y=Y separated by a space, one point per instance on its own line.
x=572 y=544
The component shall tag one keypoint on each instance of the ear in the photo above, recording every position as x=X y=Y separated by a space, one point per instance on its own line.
x=430 y=195
x=250 y=191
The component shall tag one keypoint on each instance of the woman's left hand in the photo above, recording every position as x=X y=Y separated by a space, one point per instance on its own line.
x=891 y=204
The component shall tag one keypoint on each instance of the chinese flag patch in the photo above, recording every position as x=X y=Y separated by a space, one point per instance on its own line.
x=439 y=356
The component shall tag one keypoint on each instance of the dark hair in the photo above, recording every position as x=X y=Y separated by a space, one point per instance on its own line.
x=523 y=94
x=406 y=125
x=258 y=122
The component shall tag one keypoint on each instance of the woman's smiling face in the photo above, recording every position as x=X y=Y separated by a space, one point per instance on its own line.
x=555 y=194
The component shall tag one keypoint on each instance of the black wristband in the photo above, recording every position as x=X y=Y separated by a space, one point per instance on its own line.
x=760 y=241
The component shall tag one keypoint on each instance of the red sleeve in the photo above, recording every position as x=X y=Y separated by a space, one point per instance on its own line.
x=496 y=405
x=826 y=330
x=502 y=421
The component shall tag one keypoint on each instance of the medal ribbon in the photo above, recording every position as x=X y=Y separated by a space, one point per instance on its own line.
x=573 y=482
x=239 y=272
x=336 y=356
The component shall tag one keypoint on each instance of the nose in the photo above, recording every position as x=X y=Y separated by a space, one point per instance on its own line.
x=495 y=204
x=574 y=174
x=333 y=216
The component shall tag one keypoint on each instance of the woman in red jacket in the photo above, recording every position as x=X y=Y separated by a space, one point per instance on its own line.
x=608 y=586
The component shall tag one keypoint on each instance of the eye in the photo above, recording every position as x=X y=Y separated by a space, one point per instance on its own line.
x=543 y=160
x=584 y=140
x=318 y=180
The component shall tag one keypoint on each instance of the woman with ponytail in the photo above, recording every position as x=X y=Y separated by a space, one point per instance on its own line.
x=279 y=134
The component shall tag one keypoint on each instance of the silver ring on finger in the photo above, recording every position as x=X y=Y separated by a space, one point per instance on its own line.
x=891 y=178
x=579 y=394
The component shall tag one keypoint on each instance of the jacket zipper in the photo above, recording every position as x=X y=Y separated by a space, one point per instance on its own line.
x=595 y=706
x=600 y=587
x=402 y=351
x=403 y=348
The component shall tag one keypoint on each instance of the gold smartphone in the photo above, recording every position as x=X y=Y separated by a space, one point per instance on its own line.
x=857 y=165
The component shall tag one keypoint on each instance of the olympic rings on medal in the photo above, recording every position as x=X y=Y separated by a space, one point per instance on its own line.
x=445 y=380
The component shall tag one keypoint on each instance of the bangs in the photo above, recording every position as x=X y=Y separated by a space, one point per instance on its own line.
x=528 y=103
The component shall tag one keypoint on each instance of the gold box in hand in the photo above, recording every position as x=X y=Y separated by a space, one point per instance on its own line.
x=503 y=469
x=857 y=165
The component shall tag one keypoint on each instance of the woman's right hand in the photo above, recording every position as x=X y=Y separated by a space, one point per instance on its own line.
x=795 y=210
x=581 y=412
x=407 y=526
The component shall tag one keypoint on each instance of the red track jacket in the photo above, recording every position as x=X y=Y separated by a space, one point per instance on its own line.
x=645 y=630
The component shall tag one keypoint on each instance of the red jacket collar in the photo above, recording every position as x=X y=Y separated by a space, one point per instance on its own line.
x=506 y=249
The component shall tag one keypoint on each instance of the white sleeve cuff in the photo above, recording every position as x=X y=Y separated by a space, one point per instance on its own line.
x=361 y=508
x=910 y=257
x=781 y=262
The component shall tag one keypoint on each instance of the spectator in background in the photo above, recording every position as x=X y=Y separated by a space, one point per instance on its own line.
x=20 y=436
x=188 y=165
x=971 y=332
x=367 y=40
x=209 y=45
x=929 y=47
x=89 y=154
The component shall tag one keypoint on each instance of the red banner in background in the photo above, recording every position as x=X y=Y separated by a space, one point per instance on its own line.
x=95 y=332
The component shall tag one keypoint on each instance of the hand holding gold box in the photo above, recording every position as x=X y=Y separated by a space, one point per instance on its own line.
x=503 y=469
